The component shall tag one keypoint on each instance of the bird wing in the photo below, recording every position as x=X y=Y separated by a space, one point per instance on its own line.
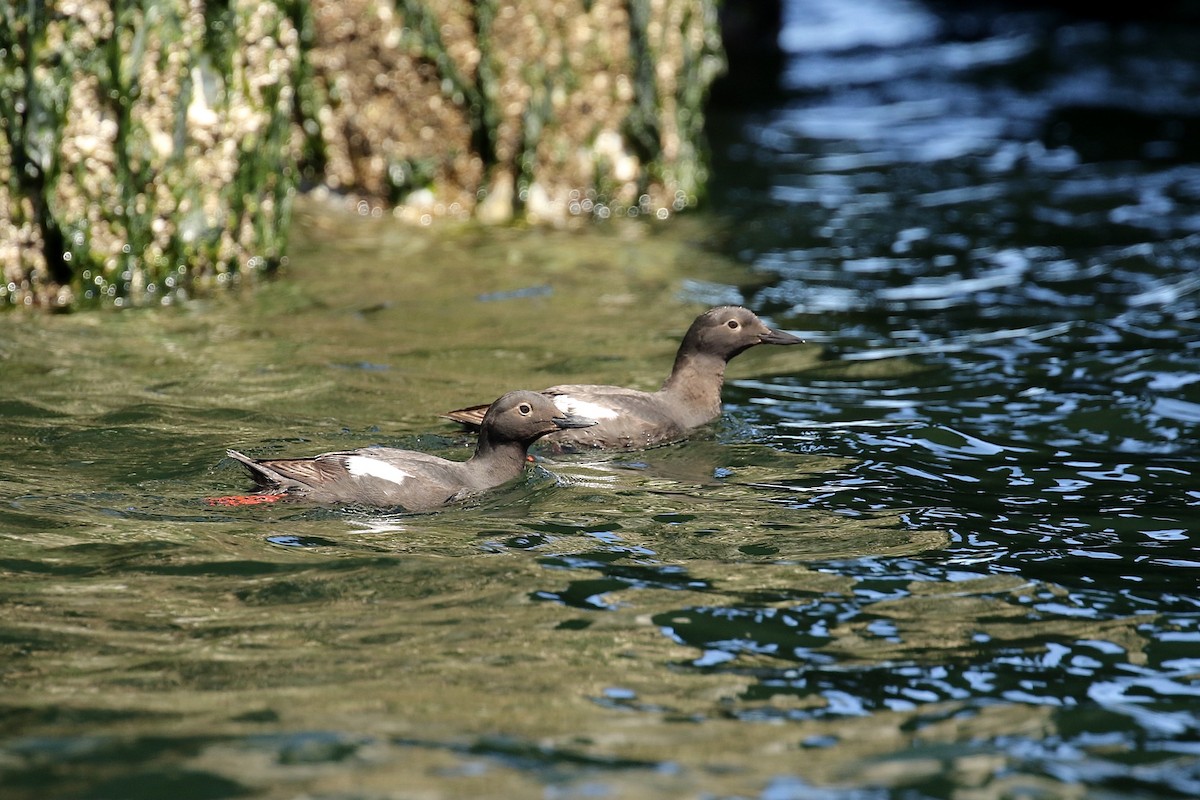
x=626 y=419
x=295 y=472
x=372 y=476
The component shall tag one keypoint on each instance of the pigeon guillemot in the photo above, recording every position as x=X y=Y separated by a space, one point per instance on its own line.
x=385 y=476
x=628 y=419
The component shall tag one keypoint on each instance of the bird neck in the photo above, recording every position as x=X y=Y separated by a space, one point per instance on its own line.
x=503 y=459
x=695 y=384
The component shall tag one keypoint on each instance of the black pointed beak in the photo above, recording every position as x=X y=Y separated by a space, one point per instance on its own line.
x=773 y=336
x=573 y=421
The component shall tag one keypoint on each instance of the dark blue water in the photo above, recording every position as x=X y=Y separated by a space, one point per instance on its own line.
x=948 y=550
x=1009 y=205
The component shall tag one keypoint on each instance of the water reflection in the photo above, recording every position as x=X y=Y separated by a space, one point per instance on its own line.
x=1010 y=307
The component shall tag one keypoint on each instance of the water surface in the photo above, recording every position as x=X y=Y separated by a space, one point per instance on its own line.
x=945 y=550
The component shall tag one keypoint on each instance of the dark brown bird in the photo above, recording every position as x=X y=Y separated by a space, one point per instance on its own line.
x=628 y=419
x=414 y=481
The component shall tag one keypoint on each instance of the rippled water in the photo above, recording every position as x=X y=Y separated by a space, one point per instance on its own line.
x=945 y=551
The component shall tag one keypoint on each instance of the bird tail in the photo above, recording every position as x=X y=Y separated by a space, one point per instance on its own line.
x=470 y=417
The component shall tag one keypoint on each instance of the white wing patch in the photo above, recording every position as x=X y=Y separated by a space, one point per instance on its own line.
x=362 y=466
x=582 y=408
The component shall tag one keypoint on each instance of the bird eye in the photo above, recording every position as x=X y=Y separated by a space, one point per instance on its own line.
x=733 y=324
x=525 y=409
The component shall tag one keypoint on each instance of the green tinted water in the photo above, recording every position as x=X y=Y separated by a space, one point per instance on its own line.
x=153 y=643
